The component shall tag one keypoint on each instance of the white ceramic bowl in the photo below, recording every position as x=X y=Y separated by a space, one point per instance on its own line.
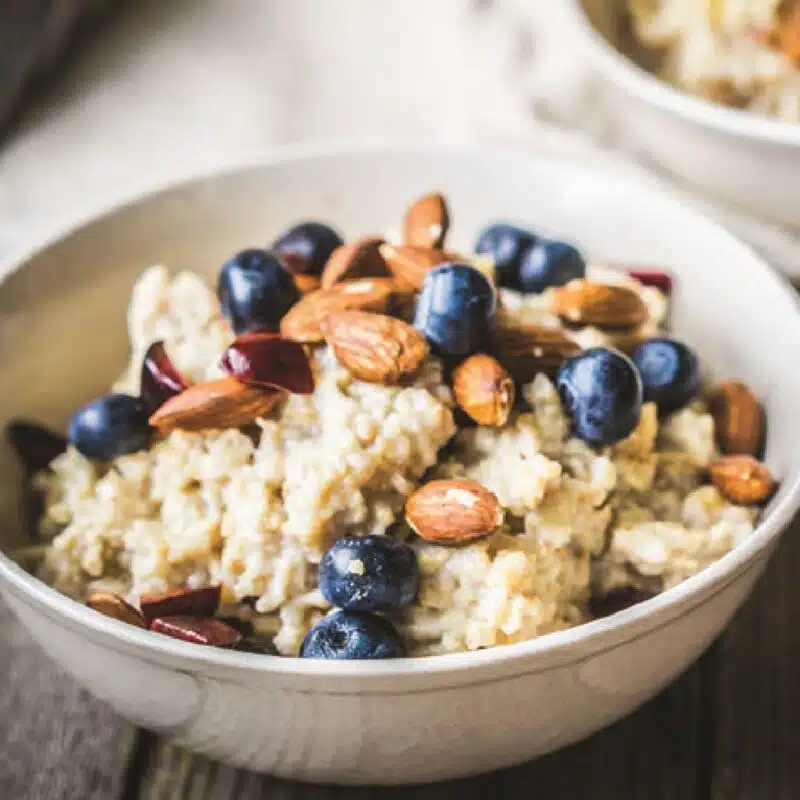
x=62 y=324
x=737 y=156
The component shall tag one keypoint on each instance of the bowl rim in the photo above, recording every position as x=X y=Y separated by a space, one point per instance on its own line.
x=637 y=81
x=151 y=646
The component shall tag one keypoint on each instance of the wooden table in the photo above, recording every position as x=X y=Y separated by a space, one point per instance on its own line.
x=729 y=729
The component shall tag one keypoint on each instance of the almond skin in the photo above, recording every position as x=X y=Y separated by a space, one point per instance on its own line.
x=738 y=419
x=302 y=323
x=374 y=347
x=359 y=259
x=410 y=264
x=112 y=605
x=599 y=304
x=526 y=350
x=224 y=403
x=186 y=602
x=453 y=511
x=484 y=390
x=426 y=222
x=742 y=480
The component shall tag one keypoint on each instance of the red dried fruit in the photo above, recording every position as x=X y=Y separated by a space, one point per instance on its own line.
x=265 y=359
x=653 y=277
x=35 y=445
x=211 y=632
x=160 y=380
x=176 y=602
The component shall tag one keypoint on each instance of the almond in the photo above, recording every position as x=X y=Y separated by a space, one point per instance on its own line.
x=303 y=320
x=738 y=419
x=525 y=350
x=187 y=602
x=360 y=259
x=453 y=511
x=426 y=222
x=484 y=390
x=602 y=305
x=742 y=480
x=410 y=264
x=375 y=347
x=211 y=632
x=306 y=283
x=112 y=605
x=224 y=403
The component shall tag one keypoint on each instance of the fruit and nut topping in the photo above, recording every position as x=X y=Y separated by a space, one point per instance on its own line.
x=373 y=447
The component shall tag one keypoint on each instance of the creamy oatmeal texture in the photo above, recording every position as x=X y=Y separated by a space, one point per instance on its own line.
x=256 y=513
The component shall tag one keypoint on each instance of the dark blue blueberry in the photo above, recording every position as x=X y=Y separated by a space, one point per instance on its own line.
x=549 y=264
x=255 y=290
x=371 y=573
x=352 y=635
x=306 y=247
x=670 y=373
x=111 y=426
x=602 y=394
x=507 y=245
x=455 y=309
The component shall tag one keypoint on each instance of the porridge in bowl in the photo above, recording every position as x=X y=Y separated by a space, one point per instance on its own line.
x=382 y=448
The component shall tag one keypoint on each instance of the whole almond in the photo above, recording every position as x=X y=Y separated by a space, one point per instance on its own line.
x=484 y=390
x=303 y=320
x=360 y=259
x=374 y=347
x=603 y=305
x=186 y=602
x=224 y=403
x=211 y=632
x=410 y=264
x=526 y=350
x=742 y=480
x=738 y=419
x=453 y=511
x=112 y=605
x=426 y=222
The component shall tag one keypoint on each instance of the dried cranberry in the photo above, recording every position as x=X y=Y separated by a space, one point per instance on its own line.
x=653 y=277
x=160 y=380
x=265 y=359
x=181 y=602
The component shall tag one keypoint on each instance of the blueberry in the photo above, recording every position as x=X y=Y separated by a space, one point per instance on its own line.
x=371 y=573
x=602 y=394
x=352 y=635
x=255 y=290
x=670 y=373
x=111 y=426
x=306 y=247
x=507 y=245
x=455 y=309
x=549 y=264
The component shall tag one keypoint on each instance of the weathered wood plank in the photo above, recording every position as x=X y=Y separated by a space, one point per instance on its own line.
x=56 y=742
x=757 y=703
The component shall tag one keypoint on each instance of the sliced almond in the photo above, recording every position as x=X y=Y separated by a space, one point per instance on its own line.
x=453 y=511
x=112 y=605
x=526 y=350
x=375 y=347
x=360 y=259
x=599 y=304
x=426 y=222
x=303 y=320
x=484 y=390
x=411 y=264
x=742 y=480
x=224 y=403
x=738 y=419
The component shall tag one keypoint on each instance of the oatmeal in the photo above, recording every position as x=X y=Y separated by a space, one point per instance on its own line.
x=288 y=491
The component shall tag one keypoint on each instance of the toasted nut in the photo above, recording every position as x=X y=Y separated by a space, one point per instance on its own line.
x=453 y=511
x=181 y=602
x=302 y=322
x=306 y=283
x=411 y=264
x=526 y=350
x=112 y=605
x=742 y=480
x=374 y=347
x=603 y=305
x=160 y=379
x=360 y=259
x=738 y=419
x=265 y=359
x=211 y=632
x=224 y=403
x=484 y=389
x=426 y=222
